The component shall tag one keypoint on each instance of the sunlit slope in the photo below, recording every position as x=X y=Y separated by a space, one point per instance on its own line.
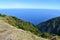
x=9 y=32
x=27 y=26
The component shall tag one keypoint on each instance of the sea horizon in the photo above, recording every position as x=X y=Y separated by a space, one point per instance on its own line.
x=34 y=16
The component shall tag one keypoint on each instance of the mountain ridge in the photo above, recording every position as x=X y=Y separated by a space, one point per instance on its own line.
x=20 y=24
x=22 y=29
x=12 y=32
x=50 y=26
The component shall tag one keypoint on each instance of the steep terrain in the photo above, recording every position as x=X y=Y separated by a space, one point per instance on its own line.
x=12 y=28
x=9 y=32
x=51 y=26
x=27 y=26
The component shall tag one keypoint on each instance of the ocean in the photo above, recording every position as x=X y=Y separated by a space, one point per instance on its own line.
x=34 y=16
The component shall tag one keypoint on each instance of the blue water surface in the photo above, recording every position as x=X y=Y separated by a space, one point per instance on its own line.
x=34 y=16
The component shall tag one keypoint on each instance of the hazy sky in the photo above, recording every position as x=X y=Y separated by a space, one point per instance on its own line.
x=36 y=4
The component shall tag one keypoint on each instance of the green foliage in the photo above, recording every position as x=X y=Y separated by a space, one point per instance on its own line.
x=47 y=35
x=27 y=26
x=21 y=24
x=3 y=15
x=51 y=26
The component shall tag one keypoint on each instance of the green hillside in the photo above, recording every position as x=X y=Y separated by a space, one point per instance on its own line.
x=27 y=26
x=20 y=24
x=51 y=26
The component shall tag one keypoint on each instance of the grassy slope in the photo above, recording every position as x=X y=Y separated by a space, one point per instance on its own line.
x=20 y=24
x=9 y=32
x=24 y=25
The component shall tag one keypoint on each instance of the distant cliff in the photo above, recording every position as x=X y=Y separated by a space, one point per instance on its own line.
x=50 y=26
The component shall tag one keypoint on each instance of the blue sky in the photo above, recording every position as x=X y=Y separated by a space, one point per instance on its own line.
x=35 y=4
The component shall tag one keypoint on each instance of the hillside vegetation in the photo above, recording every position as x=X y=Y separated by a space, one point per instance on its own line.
x=9 y=32
x=20 y=24
x=12 y=28
x=51 y=26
